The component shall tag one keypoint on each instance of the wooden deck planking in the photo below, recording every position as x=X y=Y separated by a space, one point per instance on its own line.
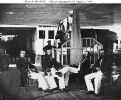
x=51 y=97
x=21 y=96
x=9 y=87
x=91 y=96
x=69 y=96
x=25 y=94
x=73 y=96
x=41 y=96
x=64 y=96
x=34 y=91
x=80 y=95
x=61 y=97
x=38 y=94
x=55 y=96
x=48 y=96
x=84 y=95
x=31 y=93
x=14 y=92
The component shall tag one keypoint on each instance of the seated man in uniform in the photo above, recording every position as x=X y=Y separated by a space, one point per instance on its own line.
x=57 y=70
x=85 y=66
x=43 y=80
x=115 y=74
x=103 y=65
x=46 y=81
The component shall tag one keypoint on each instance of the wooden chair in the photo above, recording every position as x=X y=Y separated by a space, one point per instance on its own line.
x=37 y=66
x=77 y=76
x=105 y=84
x=29 y=80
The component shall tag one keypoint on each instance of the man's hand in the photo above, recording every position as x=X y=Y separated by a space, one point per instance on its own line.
x=49 y=73
x=98 y=68
x=59 y=74
x=91 y=66
x=48 y=70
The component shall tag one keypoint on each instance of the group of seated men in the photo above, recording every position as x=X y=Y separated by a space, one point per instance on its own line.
x=51 y=69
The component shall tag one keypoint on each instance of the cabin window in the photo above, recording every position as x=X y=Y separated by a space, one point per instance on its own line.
x=51 y=34
x=41 y=34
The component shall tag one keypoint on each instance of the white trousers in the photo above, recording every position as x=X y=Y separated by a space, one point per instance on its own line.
x=45 y=82
x=66 y=78
x=63 y=81
x=97 y=76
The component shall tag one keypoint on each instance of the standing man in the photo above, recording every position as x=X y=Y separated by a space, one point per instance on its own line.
x=103 y=65
x=49 y=46
x=49 y=64
x=22 y=66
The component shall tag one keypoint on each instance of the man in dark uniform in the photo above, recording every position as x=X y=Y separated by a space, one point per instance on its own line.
x=48 y=46
x=50 y=65
x=22 y=65
x=26 y=68
x=102 y=66
x=85 y=66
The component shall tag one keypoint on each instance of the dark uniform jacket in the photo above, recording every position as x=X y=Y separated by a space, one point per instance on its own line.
x=85 y=65
x=48 y=63
x=84 y=69
x=47 y=47
x=21 y=64
x=105 y=65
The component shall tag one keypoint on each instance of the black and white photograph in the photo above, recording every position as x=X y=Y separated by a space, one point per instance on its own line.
x=60 y=50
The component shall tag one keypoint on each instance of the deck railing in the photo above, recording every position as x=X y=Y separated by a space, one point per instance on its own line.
x=62 y=54
x=93 y=46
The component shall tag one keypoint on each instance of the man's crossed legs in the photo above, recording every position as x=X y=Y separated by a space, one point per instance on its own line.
x=47 y=83
x=64 y=77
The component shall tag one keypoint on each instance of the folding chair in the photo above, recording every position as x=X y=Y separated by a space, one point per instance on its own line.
x=105 y=83
x=77 y=76
x=29 y=80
